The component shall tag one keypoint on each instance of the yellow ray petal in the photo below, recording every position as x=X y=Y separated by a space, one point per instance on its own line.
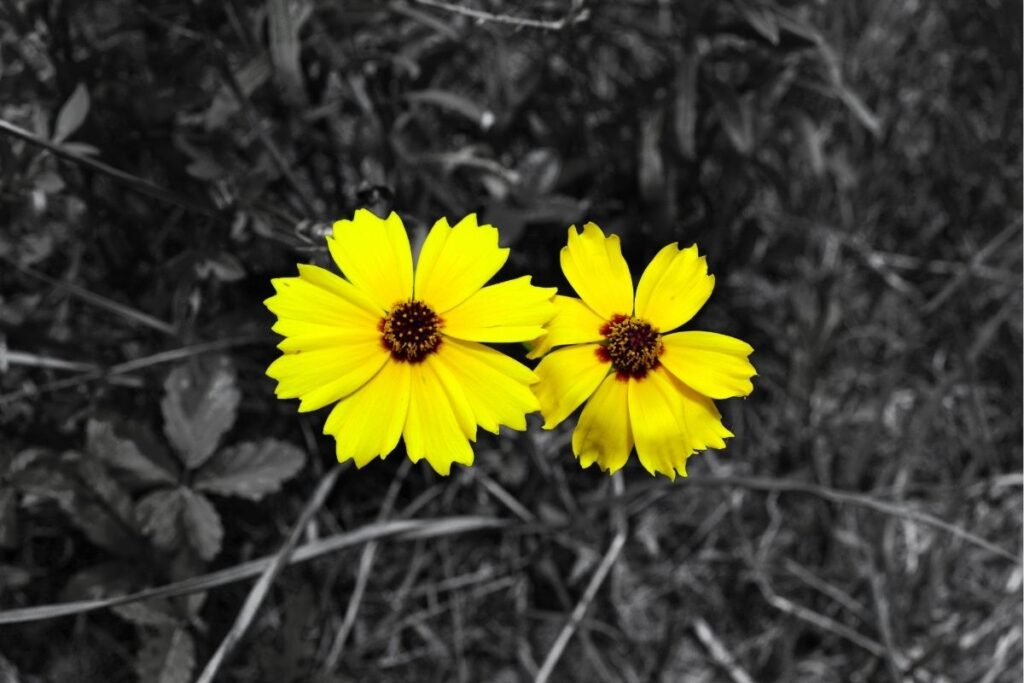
x=594 y=266
x=374 y=254
x=453 y=389
x=574 y=323
x=656 y=414
x=566 y=378
x=703 y=421
x=603 y=434
x=457 y=261
x=714 y=364
x=319 y=297
x=368 y=423
x=497 y=387
x=512 y=311
x=432 y=428
x=673 y=287
x=325 y=375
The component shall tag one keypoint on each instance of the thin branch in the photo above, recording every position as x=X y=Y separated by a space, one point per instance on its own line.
x=834 y=495
x=719 y=652
x=607 y=562
x=97 y=299
x=400 y=530
x=522 y=22
x=260 y=589
x=126 y=367
x=136 y=183
x=362 y=578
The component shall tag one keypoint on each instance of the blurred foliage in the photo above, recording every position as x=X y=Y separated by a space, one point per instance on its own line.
x=852 y=169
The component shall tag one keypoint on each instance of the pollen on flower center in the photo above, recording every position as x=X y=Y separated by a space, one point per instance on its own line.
x=631 y=345
x=411 y=331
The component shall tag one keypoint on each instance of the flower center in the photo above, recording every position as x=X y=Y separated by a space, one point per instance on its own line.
x=411 y=331
x=631 y=345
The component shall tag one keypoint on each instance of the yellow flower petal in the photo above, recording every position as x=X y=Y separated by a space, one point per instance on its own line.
x=574 y=323
x=374 y=254
x=603 y=434
x=497 y=387
x=432 y=429
x=567 y=377
x=703 y=420
x=512 y=311
x=368 y=423
x=325 y=375
x=457 y=261
x=714 y=364
x=673 y=287
x=594 y=266
x=322 y=298
x=656 y=413
x=461 y=407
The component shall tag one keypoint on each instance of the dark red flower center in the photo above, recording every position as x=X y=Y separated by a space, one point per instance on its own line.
x=411 y=331
x=631 y=345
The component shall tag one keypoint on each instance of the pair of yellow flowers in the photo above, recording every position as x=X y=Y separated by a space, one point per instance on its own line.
x=399 y=352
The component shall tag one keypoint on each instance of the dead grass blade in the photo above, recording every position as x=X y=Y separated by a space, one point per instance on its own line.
x=402 y=530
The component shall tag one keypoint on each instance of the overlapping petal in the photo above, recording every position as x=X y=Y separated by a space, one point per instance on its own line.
x=574 y=323
x=432 y=428
x=375 y=256
x=604 y=434
x=324 y=375
x=368 y=423
x=512 y=311
x=657 y=416
x=713 y=364
x=674 y=287
x=496 y=386
x=566 y=378
x=457 y=261
x=595 y=268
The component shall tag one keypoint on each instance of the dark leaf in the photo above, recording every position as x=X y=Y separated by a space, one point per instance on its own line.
x=72 y=114
x=199 y=406
x=159 y=517
x=250 y=470
x=167 y=656
x=124 y=456
x=98 y=505
x=201 y=524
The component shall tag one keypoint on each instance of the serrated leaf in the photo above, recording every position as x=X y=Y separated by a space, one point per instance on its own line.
x=123 y=455
x=199 y=406
x=173 y=517
x=98 y=505
x=72 y=114
x=250 y=470
x=202 y=524
x=167 y=656
x=158 y=515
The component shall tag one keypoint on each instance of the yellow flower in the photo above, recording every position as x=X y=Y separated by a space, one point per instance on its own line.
x=399 y=352
x=644 y=386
